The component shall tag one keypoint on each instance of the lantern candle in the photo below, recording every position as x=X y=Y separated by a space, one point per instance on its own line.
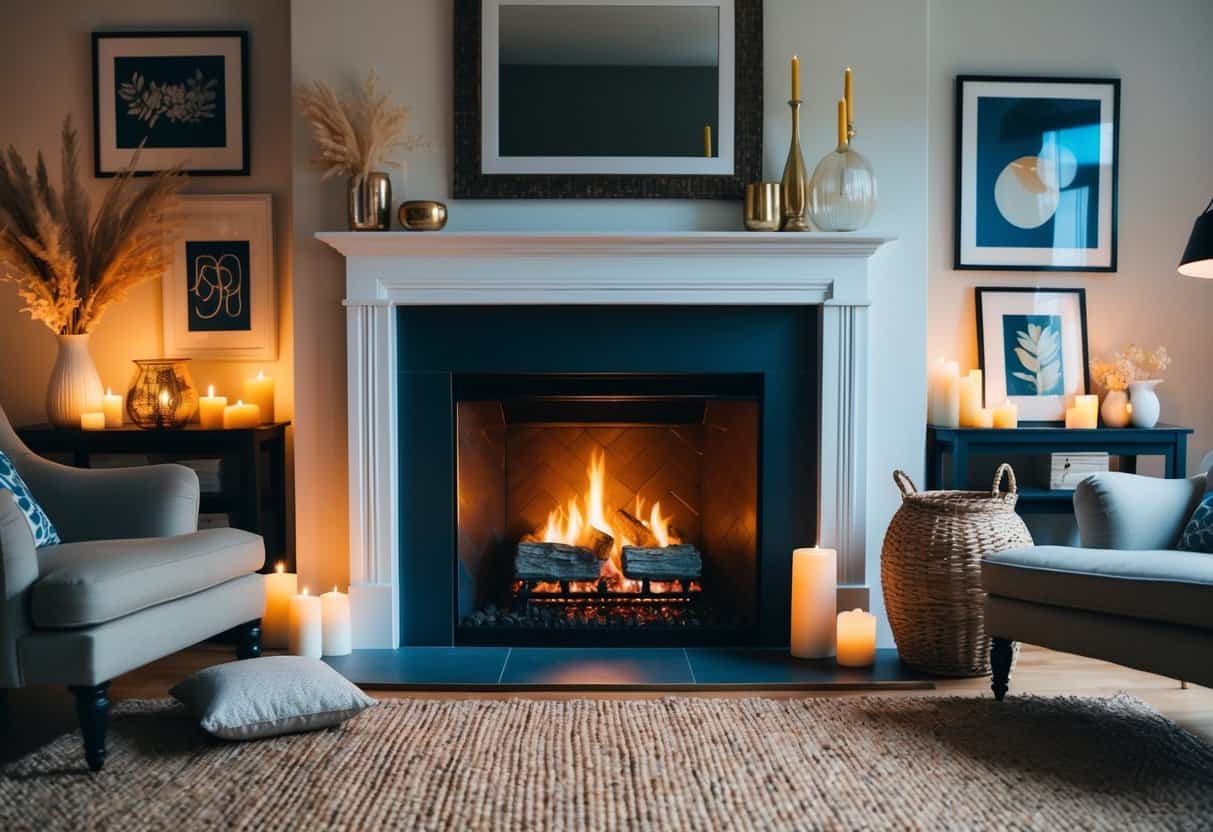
x=1006 y=415
x=112 y=405
x=943 y=405
x=335 y=637
x=241 y=415
x=210 y=409
x=280 y=587
x=970 y=399
x=856 y=639
x=92 y=421
x=304 y=634
x=814 y=602
x=260 y=391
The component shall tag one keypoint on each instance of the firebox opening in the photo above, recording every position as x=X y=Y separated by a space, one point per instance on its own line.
x=607 y=508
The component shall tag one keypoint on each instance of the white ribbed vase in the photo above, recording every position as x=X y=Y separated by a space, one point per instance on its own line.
x=75 y=386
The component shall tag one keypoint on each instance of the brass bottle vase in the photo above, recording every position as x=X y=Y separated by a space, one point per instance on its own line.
x=795 y=183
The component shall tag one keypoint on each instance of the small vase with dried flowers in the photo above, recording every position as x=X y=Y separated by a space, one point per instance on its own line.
x=355 y=136
x=1129 y=378
x=70 y=267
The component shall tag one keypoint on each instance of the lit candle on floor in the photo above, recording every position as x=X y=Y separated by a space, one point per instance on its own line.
x=304 y=633
x=856 y=639
x=1006 y=416
x=241 y=415
x=970 y=399
x=260 y=391
x=280 y=587
x=335 y=637
x=943 y=405
x=814 y=602
x=210 y=409
x=92 y=421
x=111 y=405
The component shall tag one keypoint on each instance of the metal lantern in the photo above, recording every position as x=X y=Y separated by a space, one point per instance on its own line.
x=162 y=393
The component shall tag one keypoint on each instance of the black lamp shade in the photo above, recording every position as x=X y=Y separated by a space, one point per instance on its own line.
x=1198 y=256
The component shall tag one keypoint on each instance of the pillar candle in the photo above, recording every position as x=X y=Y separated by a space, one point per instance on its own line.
x=210 y=409
x=335 y=635
x=94 y=420
x=241 y=415
x=304 y=633
x=814 y=602
x=1089 y=407
x=970 y=399
x=795 y=78
x=280 y=587
x=1082 y=416
x=983 y=417
x=111 y=405
x=943 y=405
x=1006 y=415
x=856 y=639
x=260 y=391
x=846 y=94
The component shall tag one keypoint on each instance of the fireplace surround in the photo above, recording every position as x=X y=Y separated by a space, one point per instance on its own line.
x=402 y=288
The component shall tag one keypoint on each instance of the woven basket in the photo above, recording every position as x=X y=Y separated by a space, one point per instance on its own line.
x=930 y=567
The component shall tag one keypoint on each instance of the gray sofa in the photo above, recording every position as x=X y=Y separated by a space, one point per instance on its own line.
x=132 y=581
x=1127 y=595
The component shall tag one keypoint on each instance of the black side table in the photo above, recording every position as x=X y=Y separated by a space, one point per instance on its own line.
x=1167 y=441
x=252 y=467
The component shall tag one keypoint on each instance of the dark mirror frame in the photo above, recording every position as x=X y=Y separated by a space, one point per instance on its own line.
x=471 y=183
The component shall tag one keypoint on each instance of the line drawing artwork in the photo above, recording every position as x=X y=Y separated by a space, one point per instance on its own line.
x=218 y=287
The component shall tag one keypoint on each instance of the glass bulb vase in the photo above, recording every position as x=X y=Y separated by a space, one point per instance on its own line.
x=162 y=394
x=842 y=191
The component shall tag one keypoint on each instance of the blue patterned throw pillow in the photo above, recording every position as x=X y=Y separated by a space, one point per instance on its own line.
x=1198 y=534
x=39 y=523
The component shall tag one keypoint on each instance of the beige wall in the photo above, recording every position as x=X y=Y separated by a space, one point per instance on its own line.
x=1161 y=53
x=45 y=73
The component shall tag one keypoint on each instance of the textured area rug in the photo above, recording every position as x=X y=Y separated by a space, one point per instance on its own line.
x=671 y=764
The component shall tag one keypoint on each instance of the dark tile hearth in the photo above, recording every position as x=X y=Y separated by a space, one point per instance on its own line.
x=619 y=668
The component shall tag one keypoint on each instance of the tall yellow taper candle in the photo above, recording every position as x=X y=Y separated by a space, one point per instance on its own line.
x=846 y=95
x=842 y=123
x=707 y=140
x=795 y=78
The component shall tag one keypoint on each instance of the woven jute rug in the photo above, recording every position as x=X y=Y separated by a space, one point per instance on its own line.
x=670 y=764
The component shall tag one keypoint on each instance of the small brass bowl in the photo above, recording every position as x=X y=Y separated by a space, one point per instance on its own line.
x=422 y=215
x=762 y=207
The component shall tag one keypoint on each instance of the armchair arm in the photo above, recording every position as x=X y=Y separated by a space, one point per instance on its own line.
x=18 y=571
x=106 y=504
x=1126 y=511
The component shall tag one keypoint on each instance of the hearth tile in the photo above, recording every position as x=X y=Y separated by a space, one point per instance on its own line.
x=602 y=666
x=766 y=667
x=423 y=666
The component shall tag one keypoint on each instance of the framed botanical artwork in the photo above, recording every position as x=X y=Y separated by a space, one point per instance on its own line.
x=1036 y=173
x=180 y=96
x=219 y=294
x=1032 y=349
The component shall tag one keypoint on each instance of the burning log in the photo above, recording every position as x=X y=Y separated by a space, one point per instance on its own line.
x=662 y=563
x=637 y=531
x=538 y=561
x=601 y=543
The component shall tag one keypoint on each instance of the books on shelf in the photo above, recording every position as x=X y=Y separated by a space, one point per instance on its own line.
x=1067 y=470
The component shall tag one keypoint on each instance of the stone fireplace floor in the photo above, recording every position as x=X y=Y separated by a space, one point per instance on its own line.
x=615 y=668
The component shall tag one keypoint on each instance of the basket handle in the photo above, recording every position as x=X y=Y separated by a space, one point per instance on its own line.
x=904 y=483
x=1009 y=472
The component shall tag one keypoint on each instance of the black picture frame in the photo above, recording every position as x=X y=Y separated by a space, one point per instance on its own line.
x=471 y=183
x=101 y=141
x=960 y=261
x=981 y=293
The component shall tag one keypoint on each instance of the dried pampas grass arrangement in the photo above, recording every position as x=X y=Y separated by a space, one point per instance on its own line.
x=69 y=270
x=356 y=135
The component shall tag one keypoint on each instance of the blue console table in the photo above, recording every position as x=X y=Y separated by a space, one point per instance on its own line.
x=1167 y=441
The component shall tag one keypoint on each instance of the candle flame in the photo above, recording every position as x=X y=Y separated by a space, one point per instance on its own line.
x=109 y=391
x=280 y=567
x=239 y=402
x=163 y=397
x=304 y=591
x=260 y=375
x=210 y=391
x=334 y=587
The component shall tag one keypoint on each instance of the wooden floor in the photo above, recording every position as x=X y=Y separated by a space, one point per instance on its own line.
x=38 y=714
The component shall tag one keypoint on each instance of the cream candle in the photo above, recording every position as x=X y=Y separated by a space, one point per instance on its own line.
x=795 y=78
x=983 y=417
x=111 y=406
x=335 y=629
x=260 y=391
x=210 y=409
x=241 y=415
x=1006 y=416
x=856 y=639
x=94 y=420
x=304 y=633
x=970 y=399
x=814 y=602
x=280 y=587
x=943 y=404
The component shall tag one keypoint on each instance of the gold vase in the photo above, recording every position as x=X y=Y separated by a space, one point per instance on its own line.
x=763 y=211
x=795 y=183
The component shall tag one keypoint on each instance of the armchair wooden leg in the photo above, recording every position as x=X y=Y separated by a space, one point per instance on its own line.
x=93 y=709
x=248 y=640
x=1002 y=651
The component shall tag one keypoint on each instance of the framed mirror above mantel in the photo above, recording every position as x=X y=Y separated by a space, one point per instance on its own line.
x=601 y=99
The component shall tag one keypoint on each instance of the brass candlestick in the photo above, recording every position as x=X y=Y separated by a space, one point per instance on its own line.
x=794 y=185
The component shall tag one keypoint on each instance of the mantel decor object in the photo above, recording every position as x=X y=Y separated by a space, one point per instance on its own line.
x=162 y=393
x=763 y=206
x=369 y=202
x=422 y=215
x=842 y=192
x=794 y=186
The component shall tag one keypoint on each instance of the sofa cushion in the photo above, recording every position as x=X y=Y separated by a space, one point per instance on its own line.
x=81 y=584
x=1161 y=585
x=40 y=525
x=1197 y=535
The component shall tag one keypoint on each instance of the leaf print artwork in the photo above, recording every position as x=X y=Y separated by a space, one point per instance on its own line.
x=186 y=103
x=1033 y=355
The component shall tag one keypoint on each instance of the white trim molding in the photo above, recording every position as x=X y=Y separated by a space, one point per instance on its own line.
x=389 y=269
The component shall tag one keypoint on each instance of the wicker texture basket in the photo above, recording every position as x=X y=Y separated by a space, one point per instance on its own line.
x=930 y=567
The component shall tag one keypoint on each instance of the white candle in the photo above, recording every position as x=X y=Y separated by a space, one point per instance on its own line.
x=280 y=587
x=241 y=415
x=983 y=417
x=335 y=638
x=943 y=402
x=1006 y=416
x=260 y=391
x=1084 y=415
x=970 y=399
x=304 y=634
x=210 y=409
x=814 y=602
x=92 y=421
x=856 y=639
x=111 y=405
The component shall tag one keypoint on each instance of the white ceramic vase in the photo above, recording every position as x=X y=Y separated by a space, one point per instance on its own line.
x=1146 y=407
x=1114 y=412
x=75 y=386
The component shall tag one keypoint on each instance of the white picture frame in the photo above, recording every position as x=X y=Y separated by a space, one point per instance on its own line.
x=220 y=300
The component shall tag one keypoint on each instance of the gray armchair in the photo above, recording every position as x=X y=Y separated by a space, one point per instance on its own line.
x=132 y=581
x=1127 y=595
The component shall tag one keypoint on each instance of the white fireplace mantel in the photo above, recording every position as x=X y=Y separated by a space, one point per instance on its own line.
x=388 y=269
